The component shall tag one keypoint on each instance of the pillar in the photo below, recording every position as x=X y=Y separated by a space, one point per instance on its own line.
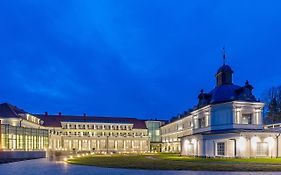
x=115 y=144
x=124 y=144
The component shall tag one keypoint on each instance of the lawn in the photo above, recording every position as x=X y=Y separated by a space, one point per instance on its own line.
x=176 y=162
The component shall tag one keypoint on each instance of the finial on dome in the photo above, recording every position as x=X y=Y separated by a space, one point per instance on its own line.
x=223 y=55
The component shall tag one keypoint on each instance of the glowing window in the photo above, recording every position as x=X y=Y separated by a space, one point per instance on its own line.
x=247 y=119
x=157 y=132
x=262 y=149
x=190 y=149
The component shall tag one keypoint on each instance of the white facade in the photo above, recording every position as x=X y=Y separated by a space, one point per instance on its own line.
x=227 y=122
x=232 y=129
x=98 y=137
x=172 y=132
x=236 y=144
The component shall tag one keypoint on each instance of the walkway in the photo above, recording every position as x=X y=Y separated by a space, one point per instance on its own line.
x=46 y=167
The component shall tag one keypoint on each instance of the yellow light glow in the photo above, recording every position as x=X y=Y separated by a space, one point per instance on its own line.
x=254 y=141
x=270 y=141
x=241 y=144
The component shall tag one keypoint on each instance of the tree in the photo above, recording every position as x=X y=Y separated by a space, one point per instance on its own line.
x=273 y=105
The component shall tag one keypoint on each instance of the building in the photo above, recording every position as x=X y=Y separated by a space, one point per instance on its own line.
x=95 y=134
x=21 y=134
x=227 y=122
x=154 y=134
x=23 y=131
x=173 y=131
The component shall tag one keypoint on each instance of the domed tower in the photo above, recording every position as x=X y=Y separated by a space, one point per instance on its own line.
x=224 y=74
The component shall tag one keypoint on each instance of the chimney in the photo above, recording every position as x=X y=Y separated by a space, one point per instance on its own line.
x=59 y=113
x=46 y=113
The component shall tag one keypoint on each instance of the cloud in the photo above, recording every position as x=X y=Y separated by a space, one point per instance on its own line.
x=132 y=58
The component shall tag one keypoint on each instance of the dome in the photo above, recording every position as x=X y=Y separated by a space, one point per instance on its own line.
x=224 y=93
x=225 y=68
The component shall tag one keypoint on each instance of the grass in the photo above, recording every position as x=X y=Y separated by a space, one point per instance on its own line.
x=176 y=162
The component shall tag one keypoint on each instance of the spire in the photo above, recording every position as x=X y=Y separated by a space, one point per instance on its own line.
x=223 y=55
x=224 y=73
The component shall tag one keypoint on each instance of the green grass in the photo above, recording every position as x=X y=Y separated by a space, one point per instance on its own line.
x=176 y=162
x=176 y=157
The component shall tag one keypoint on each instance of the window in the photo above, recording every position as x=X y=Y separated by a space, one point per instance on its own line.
x=201 y=122
x=246 y=119
x=220 y=148
x=262 y=149
x=190 y=149
x=157 y=132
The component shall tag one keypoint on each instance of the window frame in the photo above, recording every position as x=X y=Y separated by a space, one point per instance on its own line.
x=249 y=117
x=220 y=148
x=261 y=152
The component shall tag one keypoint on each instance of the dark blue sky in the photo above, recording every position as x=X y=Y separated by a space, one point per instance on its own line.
x=138 y=58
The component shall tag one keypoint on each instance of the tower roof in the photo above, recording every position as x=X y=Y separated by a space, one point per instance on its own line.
x=225 y=68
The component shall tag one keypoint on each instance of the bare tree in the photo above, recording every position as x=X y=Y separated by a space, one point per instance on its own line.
x=273 y=105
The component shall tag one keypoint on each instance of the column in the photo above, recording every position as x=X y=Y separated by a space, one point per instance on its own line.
x=98 y=144
x=79 y=144
x=115 y=144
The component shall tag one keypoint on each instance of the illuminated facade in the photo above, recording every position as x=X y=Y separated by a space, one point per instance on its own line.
x=154 y=134
x=21 y=131
x=173 y=131
x=96 y=134
x=227 y=122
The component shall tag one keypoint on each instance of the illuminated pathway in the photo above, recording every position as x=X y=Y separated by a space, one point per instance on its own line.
x=46 y=167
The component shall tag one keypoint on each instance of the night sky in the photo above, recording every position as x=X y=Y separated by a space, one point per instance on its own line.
x=145 y=59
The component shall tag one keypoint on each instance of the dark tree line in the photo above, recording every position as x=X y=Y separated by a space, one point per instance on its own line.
x=273 y=105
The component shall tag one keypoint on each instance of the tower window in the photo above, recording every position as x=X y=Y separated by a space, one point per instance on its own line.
x=201 y=122
x=247 y=119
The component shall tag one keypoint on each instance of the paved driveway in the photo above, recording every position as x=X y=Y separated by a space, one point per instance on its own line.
x=46 y=167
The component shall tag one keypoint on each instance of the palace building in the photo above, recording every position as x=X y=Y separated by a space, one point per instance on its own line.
x=25 y=132
x=97 y=134
x=226 y=122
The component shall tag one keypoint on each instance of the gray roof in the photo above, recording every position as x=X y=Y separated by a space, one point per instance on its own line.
x=9 y=111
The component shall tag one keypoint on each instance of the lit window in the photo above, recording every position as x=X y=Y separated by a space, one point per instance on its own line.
x=220 y=148
x=190 y=149
x=262 y=149
x=157 y=132
x=246 y=119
